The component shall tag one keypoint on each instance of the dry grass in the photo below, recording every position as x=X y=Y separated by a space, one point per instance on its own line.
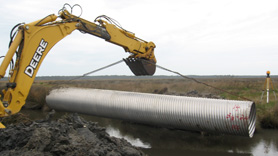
x=251 y=88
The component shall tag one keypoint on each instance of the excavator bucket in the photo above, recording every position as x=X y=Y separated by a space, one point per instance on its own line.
x=1 y=125
x=141 y=67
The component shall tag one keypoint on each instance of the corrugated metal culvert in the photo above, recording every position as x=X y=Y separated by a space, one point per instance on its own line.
x=179 y=112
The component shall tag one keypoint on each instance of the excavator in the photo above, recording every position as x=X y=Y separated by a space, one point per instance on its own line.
x=31 y=42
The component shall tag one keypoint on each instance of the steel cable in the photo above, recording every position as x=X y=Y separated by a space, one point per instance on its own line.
x=99 y=69
x=186 y=77
x=166 y=69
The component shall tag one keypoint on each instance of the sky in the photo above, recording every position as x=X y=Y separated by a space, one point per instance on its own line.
x=193 y=37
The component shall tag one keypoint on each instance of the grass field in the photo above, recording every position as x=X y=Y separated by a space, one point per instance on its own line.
x=251 y=88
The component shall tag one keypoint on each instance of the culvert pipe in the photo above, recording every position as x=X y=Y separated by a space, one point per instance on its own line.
x=177 y=112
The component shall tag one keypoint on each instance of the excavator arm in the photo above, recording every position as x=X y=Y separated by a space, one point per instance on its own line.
x=34 y=40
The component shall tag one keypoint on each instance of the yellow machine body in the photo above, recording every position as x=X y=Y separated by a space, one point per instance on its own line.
x=34 y=40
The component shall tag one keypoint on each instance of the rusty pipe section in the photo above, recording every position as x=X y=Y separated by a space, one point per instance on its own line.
x=178 y=112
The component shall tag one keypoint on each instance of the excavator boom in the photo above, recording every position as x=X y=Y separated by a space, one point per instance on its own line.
x=34 y=40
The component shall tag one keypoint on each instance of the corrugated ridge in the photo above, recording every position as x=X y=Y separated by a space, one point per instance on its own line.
x=189 y=113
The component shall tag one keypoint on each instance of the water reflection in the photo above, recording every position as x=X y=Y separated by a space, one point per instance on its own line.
x=133 y=141
x=165 y=142
x=178 y=142
x=267 y=143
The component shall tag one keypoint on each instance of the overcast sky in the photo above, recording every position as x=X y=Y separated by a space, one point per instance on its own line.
x=193 y=37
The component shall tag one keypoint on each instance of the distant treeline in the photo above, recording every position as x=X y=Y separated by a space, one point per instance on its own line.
x=111 y=77
x=116 y=77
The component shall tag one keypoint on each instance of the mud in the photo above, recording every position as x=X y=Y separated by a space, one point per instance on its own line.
x=69 y=135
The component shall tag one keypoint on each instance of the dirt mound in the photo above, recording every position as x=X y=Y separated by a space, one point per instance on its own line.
x=69 y=135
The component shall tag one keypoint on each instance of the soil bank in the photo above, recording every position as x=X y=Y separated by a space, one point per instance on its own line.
x=69 y=135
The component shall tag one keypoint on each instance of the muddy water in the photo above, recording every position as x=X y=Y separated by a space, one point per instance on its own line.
x=164 y=142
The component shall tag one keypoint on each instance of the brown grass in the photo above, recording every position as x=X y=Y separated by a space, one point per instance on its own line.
x=251 y=88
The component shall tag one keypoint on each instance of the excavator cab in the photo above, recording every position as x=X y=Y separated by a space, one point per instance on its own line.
x=141 y=67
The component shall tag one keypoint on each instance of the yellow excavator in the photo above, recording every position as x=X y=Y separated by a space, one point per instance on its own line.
x=31 y=42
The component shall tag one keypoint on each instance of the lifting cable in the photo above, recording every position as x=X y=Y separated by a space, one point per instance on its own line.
x=166 y=69
x=99 y=69
x=197 y=81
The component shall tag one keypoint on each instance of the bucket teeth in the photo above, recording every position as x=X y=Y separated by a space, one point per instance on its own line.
x=139 y=67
